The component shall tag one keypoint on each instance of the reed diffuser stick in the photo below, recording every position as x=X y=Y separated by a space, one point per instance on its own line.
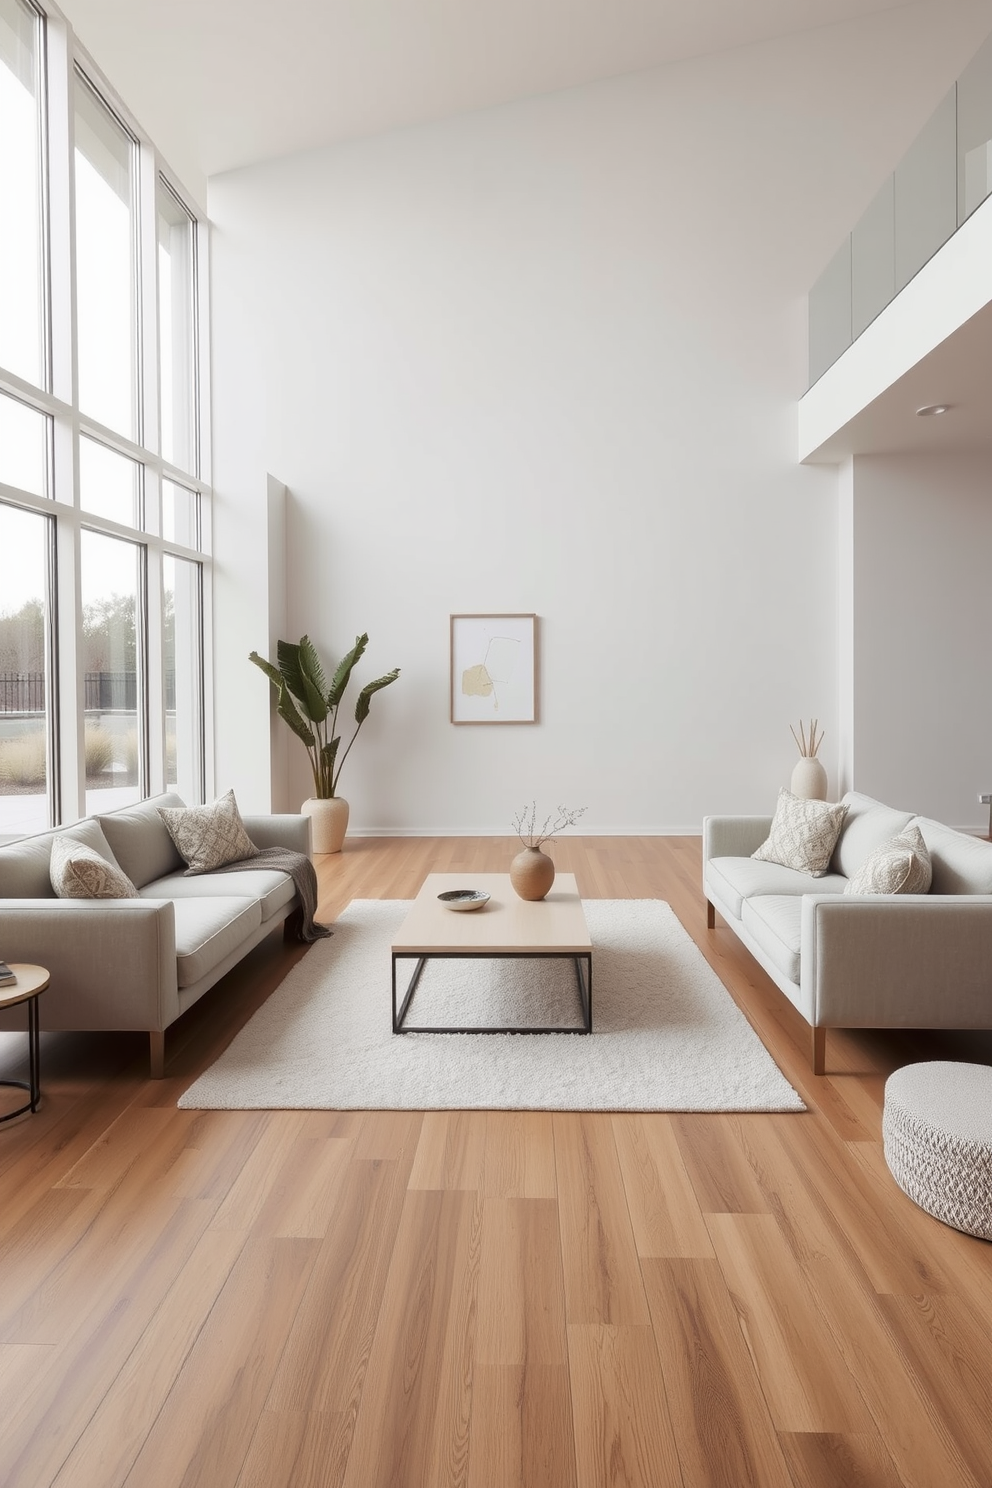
x=808 y=747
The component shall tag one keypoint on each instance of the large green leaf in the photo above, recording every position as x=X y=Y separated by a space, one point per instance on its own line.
x=288 y=657
x=287 y=710
x=313 y=695
x=345 y=666
x=285 y=705
x=274 y=676
x=294 y=665
x=311 y=666
x=365 y=696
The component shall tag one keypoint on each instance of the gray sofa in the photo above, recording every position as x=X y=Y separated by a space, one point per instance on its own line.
x=139 y=963
x=853 y=960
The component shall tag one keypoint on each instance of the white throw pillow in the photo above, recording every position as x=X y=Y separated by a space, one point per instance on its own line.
x=900 y=866
x=78 y=872
x=803 y=834
x=207 y=837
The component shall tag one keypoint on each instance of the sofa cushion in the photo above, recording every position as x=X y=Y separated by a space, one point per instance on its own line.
x=803 y=834
x=867 y=825
x=271 y=888
x=961 y=864
x=737 y=879
x=901 y=866
x=209 y=836
x=208 y=929
x=78 y=872
x=140 y=841
x=25 y=871
x=775 y=922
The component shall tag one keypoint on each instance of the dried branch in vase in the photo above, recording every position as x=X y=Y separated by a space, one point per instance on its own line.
x=526 y=828
x=808 y=744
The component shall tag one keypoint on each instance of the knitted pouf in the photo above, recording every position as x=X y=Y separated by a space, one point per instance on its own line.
x=937 y=1135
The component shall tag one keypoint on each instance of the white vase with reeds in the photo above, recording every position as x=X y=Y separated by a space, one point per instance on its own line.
x=809 y=778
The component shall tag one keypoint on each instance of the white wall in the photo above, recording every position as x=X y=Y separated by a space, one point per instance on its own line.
x=920 y=672
x=547 y=358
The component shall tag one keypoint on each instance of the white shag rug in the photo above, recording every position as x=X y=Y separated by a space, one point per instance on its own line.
x=667 y=1036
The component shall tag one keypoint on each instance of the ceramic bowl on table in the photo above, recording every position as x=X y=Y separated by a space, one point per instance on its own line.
x=463 y=899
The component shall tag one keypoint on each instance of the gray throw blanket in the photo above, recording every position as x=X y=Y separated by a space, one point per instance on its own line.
x=303 y=874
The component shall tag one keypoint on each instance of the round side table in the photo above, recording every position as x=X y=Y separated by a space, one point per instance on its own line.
x=31 y=982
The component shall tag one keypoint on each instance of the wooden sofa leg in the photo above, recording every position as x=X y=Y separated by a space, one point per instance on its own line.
x=819 y=1051
x=710 y=916
x=291 y=925
x=156 y=1050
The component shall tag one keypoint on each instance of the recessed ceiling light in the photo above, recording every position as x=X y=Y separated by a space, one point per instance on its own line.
x=931 y=409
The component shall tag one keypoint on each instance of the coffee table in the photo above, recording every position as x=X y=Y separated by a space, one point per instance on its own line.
x=553 y=928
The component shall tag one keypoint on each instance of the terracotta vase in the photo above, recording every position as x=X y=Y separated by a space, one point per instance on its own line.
x=532 y=873
x=328 y=823
x=809 y=779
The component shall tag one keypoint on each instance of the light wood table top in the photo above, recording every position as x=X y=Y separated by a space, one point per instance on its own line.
x=30 y=981
x=507 y=924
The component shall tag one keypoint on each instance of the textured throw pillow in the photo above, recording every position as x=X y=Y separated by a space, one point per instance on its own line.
x=900 y=866
x=803 y=834
x=209 y=836
x=78 y=872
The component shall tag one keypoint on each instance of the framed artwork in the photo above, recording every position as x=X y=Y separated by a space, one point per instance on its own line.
x=494 y=668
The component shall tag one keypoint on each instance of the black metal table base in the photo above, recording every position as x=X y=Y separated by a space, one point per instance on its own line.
x=583 y=977
x=33 y=1084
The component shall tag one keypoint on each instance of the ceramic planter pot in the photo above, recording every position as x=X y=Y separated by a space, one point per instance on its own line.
x=328 y=823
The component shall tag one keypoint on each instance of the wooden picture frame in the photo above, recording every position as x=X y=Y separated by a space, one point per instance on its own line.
x=494 y=669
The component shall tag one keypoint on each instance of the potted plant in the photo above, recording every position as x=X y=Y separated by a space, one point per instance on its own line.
x=309 y=704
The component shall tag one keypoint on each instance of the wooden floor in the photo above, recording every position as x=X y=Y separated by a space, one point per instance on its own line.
x=382 y=1300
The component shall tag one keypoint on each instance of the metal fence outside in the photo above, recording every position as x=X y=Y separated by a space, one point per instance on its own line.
x=104 y=692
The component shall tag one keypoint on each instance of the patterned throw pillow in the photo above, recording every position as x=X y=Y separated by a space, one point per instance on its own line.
x=209 y=836
x=900 y=866
x=803 y=834
x=78 y=872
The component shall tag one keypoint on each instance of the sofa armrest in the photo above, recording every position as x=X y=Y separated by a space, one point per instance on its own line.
x=733 y=836
x=112 y=962
x=280 y=831
x=897 y=961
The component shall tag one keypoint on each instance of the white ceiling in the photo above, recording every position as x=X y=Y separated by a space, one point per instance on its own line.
x=222 y=83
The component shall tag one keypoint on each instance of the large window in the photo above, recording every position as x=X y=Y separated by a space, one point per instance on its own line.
x=103 y=499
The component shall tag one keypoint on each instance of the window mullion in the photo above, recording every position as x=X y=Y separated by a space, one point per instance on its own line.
x=201 y=302
x=154 y=668
x=147 y=248
x=71 y=794
x=61 y=213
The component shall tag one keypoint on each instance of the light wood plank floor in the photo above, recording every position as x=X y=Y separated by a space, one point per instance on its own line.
x=393 y=1299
